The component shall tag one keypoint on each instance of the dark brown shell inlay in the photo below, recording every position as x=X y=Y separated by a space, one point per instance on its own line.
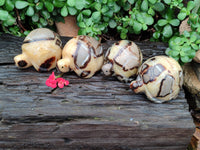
x=144 y=67
x=47 y=64
x=166 y=86
x=59 y=43
x=22 y=63
x=35 y=40
x=84 y=74
x=138 y=83
x=100 y=52
x=151 y=73
x=152 y=59
x=119 y=53
x=90 y=46
x=128 y=64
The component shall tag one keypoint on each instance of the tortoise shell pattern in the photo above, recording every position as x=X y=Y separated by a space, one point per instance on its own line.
x=83 y=57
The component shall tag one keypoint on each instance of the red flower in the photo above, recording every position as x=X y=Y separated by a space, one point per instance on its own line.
x=53 y=82
x=62 y=82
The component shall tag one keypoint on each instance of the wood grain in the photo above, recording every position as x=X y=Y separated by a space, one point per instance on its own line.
x=96 y=113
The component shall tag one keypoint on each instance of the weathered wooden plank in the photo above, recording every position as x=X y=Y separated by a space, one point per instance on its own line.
x=96 y=113
x=91 y=136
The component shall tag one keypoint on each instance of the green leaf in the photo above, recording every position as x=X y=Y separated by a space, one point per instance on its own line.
x=104 y=9
x=86 y=12
x=137 y=27
x=148 y=19
x=167 y=51
x=35 y=18
x=152 y=1
x=49 y=6
x=30 y=1
x=72 y=10
x=3 y=15
x=140 y=18
x=174 y=53
x=151 y=12
x=176 y=47
x=167 y=1
x=21 y=4
x=104 y=1
x=64 y=11
x=43 y=22
x=185 y=59
x=39 y=6
x=97 y=6
x=80 y=4
x=106 y=19
x=127 y=6
x=193 y=38
x=96 y=16
x=71 y=3
x=144 y=5
x=116 y=8
x=26 y=33
x=123 y=35
x=109 y=14
x=182 y=15
x=186 y=33
x=46 y=14
x=9 y=5
x=82 y=25
x=186 y=48
x=10 y=20
x=178 y=41
x=131 y=1
x=190 y=5
x=2 y=2
x=30 y=11
x=58 y=3
x=192 y=53
x=198 y=41
x=88 y=22
x=182 y=53
x=159 y=6
x=167 y=31
x=194 y=18
x=144 y=27
x=156 y=35
x=195 y=47
x=80 y=17
x=162 y=22
x=174 y=22
x=82 y=31
x=112 y=24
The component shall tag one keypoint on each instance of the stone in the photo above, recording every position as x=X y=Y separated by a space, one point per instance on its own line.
x=69 y=28
x=192 y=78
x=184 y=26
x=197 y=57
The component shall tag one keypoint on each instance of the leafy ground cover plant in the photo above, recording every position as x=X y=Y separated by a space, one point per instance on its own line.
x=183 y=47
x=124 y=19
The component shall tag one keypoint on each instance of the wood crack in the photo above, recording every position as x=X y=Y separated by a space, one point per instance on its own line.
x=7 y=64
x=40 y=119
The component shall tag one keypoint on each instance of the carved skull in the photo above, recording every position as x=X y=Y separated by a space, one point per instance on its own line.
x=83 y=55
x=123 y=60
x=160 y=78
x=41 y=49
